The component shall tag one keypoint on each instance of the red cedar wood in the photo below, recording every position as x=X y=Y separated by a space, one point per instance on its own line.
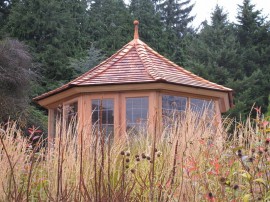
x=155 y=106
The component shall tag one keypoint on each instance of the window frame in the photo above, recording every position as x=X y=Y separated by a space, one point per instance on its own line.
x=88 y=110
x=98 y=113
x=140 y=108
x=152 y=100
x=64 y=114
x=189 y=96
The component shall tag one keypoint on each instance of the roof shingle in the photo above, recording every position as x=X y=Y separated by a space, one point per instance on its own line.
x=136 y=62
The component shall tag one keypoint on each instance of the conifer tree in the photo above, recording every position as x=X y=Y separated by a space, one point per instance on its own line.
x=213 y=53
x=54 y=30
x=151 y=28
x=109 y=22
x=254 y=37
x=176 y=15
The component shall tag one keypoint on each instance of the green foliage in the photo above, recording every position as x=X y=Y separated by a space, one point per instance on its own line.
x=66 y=38
x=82 y=65
x=268 y=108
x=5 y=7
x=176 y=15
x=216 y=49
x=37 y=118
x=150 y=28
x=54 y=30
x=15 y=79
x=110 y=25
x=220 y=54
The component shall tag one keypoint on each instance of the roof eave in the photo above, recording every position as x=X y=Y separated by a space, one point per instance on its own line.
x=44 y=96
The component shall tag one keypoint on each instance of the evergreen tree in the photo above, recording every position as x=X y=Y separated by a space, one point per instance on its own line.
x=110 y=25
x=83 y=64
x=254 y=37
x=213 y=54
x=220 y=54
x=5 y=8
x=176 y=15
x=268 y=108
x=56 y=32
x=151 y=28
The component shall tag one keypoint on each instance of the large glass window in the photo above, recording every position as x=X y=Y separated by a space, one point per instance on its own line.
x=103 y=116
x=173 y=108
x=202 y=106
x=136 y=114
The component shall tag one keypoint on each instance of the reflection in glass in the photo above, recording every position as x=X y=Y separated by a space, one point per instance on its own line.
x=136 y=114
x=202 y=106
x=173 y=108
x=103 y=109
x=57 y=120
x=71 y=112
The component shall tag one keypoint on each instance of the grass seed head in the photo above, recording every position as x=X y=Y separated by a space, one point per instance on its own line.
x=250 y=159
x=210 y=195
x=222 y=180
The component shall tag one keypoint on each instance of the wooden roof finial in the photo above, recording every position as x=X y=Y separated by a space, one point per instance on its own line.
x=136 y=29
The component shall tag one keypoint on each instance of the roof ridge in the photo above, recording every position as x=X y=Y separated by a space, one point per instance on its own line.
x=149 y=69
x=184 y=70
x=106 y=66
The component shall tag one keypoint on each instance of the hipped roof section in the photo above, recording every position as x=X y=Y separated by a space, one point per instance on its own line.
x=136 y=62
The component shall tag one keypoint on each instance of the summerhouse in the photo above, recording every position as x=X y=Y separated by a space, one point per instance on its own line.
x=129 y=90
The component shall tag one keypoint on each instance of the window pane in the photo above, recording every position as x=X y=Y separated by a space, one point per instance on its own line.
x=136 y=114
x=172 y=107
x=201 y=106
x=57 y=120
x=103 y=110
x=71 y=111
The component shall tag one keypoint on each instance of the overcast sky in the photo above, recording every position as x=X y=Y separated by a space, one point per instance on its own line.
x=203 y=8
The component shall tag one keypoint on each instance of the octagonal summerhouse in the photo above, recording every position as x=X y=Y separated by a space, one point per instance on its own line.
x=129 y=89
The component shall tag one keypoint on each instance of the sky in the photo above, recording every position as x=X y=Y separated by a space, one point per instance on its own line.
x=204 y=8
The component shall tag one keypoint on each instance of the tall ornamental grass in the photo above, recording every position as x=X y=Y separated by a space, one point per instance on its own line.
x=194 y=159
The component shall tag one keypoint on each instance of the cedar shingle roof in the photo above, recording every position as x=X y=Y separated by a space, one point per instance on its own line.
x=136 y=62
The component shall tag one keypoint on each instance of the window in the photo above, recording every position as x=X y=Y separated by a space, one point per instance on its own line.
x=202 y=106
x=136 y=114
x=71 y=119
x=56 y=120
x=173 y=108
x=103 y=109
